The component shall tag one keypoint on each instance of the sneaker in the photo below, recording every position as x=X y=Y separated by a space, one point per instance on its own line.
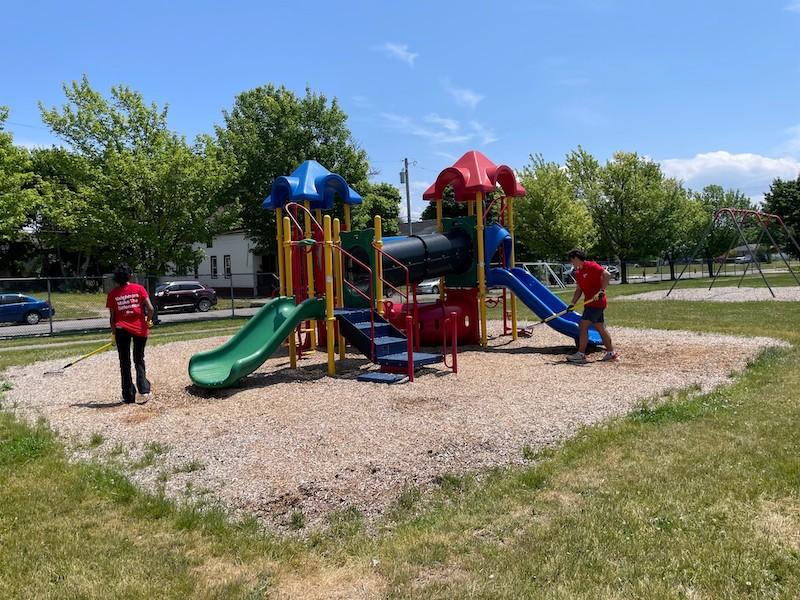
x=578 y=358
x=610 y=356
x=125 y=401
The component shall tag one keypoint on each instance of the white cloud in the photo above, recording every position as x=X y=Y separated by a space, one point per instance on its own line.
x=447 y=123
x=361 y=101
x=464 y=96
x=793 y=7
x=410 y=126
x=485 y=134
x=751 y=173
x=399 y=51
x=446 y=155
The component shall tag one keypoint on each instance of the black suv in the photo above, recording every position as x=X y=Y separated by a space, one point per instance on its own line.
x=185 y=295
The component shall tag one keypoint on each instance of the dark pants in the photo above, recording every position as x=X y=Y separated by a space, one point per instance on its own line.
x=124 y=338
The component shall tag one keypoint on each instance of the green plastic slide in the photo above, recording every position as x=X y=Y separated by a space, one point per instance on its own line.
x=254 y=343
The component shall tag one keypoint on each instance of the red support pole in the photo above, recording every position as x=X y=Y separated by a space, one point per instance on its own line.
x=453 y=319
x=410 y=346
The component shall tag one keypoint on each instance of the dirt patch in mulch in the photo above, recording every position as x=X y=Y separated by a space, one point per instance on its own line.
x=286 y=441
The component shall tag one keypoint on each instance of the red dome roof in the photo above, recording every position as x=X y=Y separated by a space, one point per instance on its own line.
x=474 y=173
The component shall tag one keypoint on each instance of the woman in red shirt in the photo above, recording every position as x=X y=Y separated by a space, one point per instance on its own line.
x=131 y=318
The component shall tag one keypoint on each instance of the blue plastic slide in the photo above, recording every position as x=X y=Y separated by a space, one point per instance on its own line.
x=540 y=300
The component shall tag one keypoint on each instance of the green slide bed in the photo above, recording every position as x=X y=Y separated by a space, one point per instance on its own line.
x=253 y=344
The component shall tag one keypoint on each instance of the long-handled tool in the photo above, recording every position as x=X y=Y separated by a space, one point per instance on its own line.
x=527 y=330
x=102 y=348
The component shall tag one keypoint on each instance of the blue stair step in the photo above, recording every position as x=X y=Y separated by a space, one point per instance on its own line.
x=400 y=359
x=390 y=345
x=376 y=377
x=380 y=328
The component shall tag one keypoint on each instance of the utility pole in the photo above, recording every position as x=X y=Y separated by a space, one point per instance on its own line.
x=404 y=179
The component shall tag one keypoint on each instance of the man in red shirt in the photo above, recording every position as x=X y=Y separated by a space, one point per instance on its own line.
x=592 y=280
x=131 y=318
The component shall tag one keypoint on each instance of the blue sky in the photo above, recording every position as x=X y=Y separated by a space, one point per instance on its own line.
x=709 y=89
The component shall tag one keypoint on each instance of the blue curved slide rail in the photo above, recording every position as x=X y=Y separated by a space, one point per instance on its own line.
x=540 y=300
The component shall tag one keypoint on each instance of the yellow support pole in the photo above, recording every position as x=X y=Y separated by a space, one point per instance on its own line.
x=510 y=213
x=481 y=267
x=440 y=229
x=339 y=279
x=310 y=271
x=279 y=230
x=378 y=265
x=346 y=217
x=287 y=255
x=318 y=215
x=330 y=319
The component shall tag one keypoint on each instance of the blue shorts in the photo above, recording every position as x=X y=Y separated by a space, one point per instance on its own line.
x=593 y=314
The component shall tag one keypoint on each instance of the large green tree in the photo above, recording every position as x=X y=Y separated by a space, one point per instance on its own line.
x=718 y=240
x=17 y=182
x=268 y=132
x=450 y=208
x=549 y=220
x=380 y=199
x=160 y=194
x=783 y=199
x=629 y=200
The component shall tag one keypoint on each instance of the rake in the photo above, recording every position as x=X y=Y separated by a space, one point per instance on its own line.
x=102 y=348
x=527 y=331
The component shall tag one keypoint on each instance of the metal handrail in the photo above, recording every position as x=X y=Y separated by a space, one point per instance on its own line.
x=453 y=318
x=370 y=299
x=409 y=295
x=296 y=206
x=503 y=207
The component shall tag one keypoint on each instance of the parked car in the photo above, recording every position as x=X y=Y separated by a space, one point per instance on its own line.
x=613 y=270
x=19 y=308
x=184 y=295
x=742 y=260
x=429 y=286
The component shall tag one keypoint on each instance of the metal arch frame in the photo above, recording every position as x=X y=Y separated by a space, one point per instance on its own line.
x=740 y=216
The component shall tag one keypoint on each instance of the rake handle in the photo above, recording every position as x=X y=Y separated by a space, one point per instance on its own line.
x=92 y=353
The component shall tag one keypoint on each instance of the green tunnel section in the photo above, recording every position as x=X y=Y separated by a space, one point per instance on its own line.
x=254 y=343
x=451 y=254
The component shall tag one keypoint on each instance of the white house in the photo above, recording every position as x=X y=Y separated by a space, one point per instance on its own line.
x=230 y=260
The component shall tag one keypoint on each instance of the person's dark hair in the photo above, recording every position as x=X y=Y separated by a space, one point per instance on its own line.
x=578 y=253
x=122 y=274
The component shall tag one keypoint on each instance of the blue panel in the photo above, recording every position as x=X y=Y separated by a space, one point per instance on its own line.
x=540 y=300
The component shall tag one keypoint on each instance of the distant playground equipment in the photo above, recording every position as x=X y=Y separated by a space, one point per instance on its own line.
x=741 y=218
x=333 y=281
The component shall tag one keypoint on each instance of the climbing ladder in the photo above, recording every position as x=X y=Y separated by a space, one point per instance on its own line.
x=383 y=344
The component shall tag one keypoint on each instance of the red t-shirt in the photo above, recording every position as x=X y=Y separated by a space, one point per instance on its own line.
x=590 y=279
x=127 y=304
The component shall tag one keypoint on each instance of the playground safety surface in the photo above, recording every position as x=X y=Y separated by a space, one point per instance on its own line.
x=287 y=441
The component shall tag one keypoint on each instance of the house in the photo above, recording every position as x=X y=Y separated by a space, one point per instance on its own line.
x=230 y=260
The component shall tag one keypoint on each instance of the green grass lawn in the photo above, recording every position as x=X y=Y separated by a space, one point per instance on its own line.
x=698 y=497
x=19 y=351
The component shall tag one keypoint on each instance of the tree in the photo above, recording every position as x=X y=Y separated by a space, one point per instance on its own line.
x=268 y=133
x=783 y=199
x=380 y=199
x=450 y=208
x=549 y=220
x=627 y=199
x=160 y=194
x=724 y=233
x=17 y=181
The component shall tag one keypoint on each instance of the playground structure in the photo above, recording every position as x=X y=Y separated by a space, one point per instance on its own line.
x=741 y=218
x=334 y=281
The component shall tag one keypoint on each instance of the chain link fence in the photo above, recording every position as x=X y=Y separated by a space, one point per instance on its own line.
x=31 y=306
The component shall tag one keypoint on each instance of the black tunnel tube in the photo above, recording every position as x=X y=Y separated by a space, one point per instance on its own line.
x=428 y=256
